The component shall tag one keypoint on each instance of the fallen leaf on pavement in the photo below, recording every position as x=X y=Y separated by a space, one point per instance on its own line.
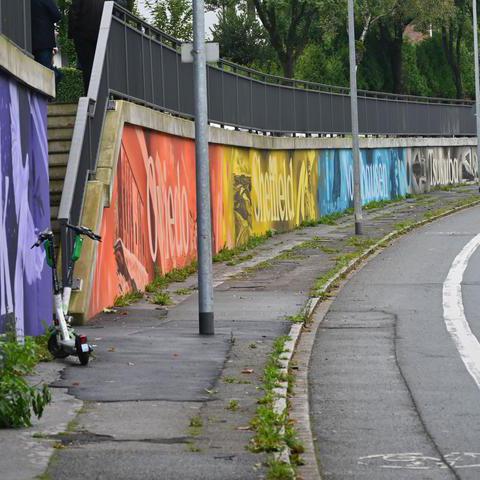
x=109 y=310
x=247 y=371
x=111 y=349
x=131 y=364
x=243 y=428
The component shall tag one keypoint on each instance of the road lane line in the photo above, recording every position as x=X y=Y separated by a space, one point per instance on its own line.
x=454 y=314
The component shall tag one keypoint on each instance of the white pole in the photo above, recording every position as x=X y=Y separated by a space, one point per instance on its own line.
x=204 y=218
x=357 y=191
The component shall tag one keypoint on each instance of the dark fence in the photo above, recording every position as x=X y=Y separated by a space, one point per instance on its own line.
x=15 y=22
x=137 y=62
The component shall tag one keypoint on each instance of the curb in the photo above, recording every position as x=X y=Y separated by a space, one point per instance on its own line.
x=280 y=405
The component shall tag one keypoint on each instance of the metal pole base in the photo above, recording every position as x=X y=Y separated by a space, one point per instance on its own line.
x=207 y=325
x=358 y=228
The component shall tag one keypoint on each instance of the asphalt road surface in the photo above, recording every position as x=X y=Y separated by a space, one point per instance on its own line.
x=395 y=372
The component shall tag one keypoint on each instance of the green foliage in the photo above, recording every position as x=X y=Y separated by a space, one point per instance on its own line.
x=18 y=399
x=172 y=16
x=162 y=298
x=70 y=89
x=127 y=299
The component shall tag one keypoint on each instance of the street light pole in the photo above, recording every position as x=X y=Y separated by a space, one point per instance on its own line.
x=204 y=217
x=357 y=190
x=477 y=76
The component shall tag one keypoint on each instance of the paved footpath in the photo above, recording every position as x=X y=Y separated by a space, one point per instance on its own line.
x=154 y=400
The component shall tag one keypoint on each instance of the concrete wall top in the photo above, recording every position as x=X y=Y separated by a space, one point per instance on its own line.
x=162 y=122
x=24 y=68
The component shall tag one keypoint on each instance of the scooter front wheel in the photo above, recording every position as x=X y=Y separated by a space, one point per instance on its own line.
x=54 y=348
x=83 y=357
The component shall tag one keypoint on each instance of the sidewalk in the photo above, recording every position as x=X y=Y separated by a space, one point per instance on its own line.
x=161 y=402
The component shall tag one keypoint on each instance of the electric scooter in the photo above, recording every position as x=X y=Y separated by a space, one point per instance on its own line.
x=63 y=340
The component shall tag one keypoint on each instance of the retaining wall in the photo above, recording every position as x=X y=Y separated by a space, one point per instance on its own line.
x=147 y=180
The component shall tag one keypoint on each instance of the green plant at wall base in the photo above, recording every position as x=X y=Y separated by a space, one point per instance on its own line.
x=229 y=254
x=70 y=88
x=162 y=298
x=18 y=399
x=279 y=471
x=127 y=299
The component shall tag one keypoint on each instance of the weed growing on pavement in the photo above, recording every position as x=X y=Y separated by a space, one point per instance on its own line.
x=375 y=204
x=183 y=291
x=278 y=470
x=233 y=405
x=127 y=299
x=196 y=422
x=162 y=298
x=229 y=254
x=177 y=275
x=298 y=318
x=18 y=399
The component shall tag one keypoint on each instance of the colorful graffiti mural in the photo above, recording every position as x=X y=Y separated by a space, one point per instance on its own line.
x=25 y=281
x=432 y=167
x=383 y=174
x=151 y=223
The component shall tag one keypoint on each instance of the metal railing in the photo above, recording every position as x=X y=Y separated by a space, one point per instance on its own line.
x=137 y=62
x=15 y=22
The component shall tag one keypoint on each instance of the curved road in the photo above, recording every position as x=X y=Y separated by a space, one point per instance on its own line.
x=395 y=372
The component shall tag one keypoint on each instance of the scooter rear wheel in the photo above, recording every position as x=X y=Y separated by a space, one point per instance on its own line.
x=54 y=348
x=83 y=357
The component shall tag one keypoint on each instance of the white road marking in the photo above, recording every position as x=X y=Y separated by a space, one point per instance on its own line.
x=454 y=314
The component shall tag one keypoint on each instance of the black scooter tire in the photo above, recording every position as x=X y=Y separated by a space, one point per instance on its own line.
x=54 y=348
x=83 y=357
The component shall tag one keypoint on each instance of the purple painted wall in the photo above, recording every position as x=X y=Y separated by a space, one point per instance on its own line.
x=25 y=279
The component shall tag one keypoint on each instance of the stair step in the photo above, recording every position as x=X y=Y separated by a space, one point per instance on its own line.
x=55 y=199
x=57 y=173
x=67 y=121
x=58 y=159
x=56 y=187
x=54 y=211
x=61 y=109
x=59 y=146
x=58 y=133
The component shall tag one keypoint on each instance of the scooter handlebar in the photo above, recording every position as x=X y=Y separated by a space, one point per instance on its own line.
x=42 y=237
x=79 y=230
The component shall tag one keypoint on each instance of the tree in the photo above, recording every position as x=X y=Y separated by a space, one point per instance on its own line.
x=452 y=40
x=423 y=14
x=173 y=17
x=290 y=25
x=242 y=38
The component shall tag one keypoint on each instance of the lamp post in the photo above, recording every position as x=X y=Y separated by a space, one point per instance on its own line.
x=357 y=190
x=477 y=76
x=204 y=217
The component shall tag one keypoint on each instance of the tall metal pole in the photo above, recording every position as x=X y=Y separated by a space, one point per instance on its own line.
x=204 y=217
x=357 y=190
x=477 y=76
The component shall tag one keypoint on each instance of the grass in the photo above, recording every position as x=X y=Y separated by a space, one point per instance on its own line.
x=184 y=291
x=127 y=299
x=375 y=204
x=233 y=405
x=233 y=255
x=298 y=318
x=162 y=298
x=279 y=471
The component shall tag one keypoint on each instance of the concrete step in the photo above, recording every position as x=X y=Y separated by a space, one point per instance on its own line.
x=67 y=121
x=58 y=159
x=54 y=212
x=56 y=187
x=62 y=109
x=58 y=133
x=57 y=173
x=59 y=146
x=55 y=199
